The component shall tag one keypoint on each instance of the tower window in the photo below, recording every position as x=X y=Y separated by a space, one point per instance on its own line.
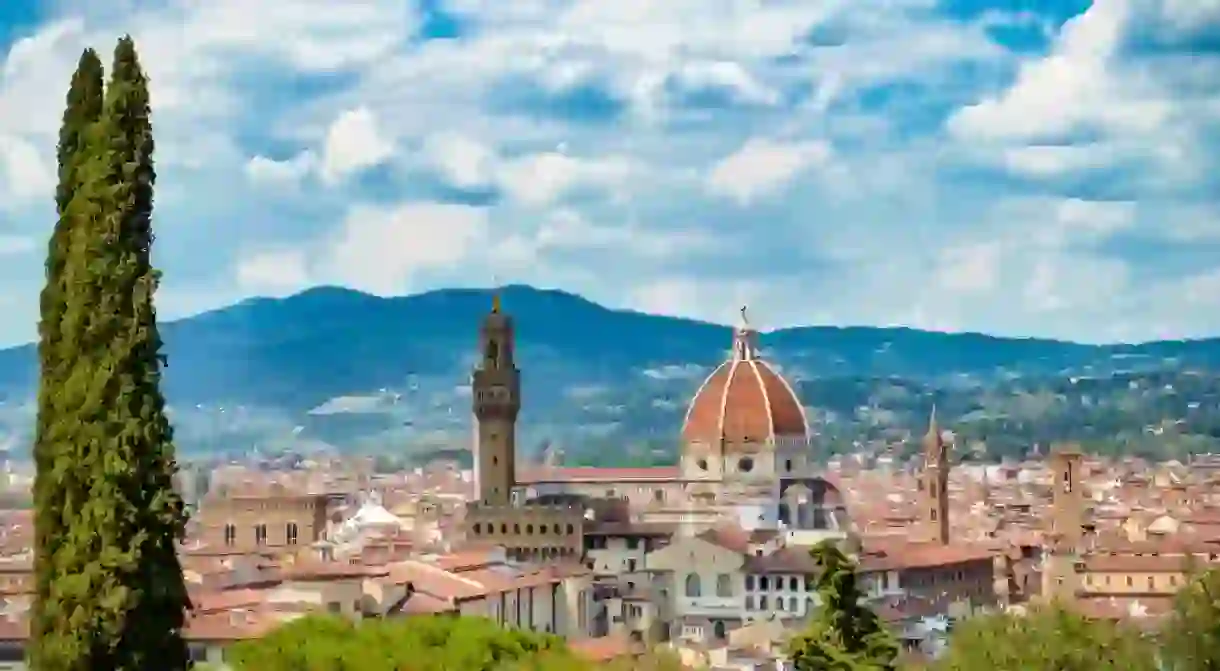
x=493 y=353
x=788 y=465
x=230 y=534
x=745 y=465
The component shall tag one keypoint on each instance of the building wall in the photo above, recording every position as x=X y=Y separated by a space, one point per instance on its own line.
x=970 y=581
x=342 y=597
x=279 y=515
x=1121 y=582
x=531 y=531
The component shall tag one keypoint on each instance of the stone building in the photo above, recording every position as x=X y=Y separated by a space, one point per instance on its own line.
x=271 y=518
x=504 y=513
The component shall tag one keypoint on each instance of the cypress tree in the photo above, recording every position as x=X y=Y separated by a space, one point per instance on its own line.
x=843 y=634
x=117 y=599
x=83 y=109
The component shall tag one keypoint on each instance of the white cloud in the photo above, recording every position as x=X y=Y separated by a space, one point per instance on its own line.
x=1074 y=89
x=722 y=98
x=26 y=172
x=275 y=272
x=762 y=167
x=263 y=171
x=354 y=142
x=465 y=162
x=381 y=250
x=542 y=179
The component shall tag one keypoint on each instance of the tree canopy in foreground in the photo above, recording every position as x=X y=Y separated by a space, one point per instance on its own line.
x=1046 y=637
x=437 y=643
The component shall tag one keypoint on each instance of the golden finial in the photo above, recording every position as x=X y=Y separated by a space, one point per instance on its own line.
x=495 y=297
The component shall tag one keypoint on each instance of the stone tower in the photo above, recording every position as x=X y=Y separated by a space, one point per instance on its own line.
x=496 y=394
x=1067 y=524
x=934 y=484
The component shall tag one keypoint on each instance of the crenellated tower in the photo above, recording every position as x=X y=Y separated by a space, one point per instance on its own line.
x=496 y=394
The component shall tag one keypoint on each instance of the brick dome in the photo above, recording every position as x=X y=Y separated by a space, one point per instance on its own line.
x=744 y=402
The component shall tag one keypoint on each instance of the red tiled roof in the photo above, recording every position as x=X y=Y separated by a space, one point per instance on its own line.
x=597 y=474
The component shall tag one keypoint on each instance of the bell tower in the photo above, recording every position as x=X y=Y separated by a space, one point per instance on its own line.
x=496 y=394
x=1066 y=536
x=934 y=483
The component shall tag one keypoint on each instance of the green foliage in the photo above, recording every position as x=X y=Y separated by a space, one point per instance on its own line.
x=111 y=593
x=843 y=634
x=440 y=643
x=1046 y=639
x=1191 y=637
x=83 y=109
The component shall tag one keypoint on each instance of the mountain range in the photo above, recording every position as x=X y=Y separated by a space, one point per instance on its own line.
x=343 y=368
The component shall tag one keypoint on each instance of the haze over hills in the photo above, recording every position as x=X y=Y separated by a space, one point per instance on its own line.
x=352 y=370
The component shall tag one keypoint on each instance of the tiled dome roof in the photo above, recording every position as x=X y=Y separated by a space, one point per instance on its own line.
x=744 y=401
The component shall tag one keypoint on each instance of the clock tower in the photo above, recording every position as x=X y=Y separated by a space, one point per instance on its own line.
x=496 y=393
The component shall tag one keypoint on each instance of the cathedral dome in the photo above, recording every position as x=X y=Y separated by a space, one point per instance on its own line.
x=744 y=404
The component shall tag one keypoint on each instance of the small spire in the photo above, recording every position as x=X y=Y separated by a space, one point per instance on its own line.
x=495 y=296
x=745 y=340
x=933 y=440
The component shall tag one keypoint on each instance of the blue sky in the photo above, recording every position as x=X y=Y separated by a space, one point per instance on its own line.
x=1029 y=168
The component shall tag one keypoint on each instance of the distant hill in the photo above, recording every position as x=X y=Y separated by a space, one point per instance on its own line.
x=588 y=371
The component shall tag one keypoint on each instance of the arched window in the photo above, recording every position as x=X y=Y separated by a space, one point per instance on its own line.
x=290 y=533
x=718 y=630
x=724 y=585
x=693 y=587
x=260 y=534
x=230 y=534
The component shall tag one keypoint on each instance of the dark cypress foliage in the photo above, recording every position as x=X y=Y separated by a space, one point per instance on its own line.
x=843 y=634
x=117 y=599
x=83 y=109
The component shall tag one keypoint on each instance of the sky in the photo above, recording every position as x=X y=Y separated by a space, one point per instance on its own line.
x=1007 y=166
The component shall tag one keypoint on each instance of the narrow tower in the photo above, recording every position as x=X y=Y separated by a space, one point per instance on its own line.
x=1066 y=536
x=496 y=393
x=934 y=483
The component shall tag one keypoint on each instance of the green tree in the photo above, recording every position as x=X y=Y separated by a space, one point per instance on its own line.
x=843 y=634
x=1191 y=637
x=83 y=109
x=437 y=643
x=1047 y=638
x=115 y=596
